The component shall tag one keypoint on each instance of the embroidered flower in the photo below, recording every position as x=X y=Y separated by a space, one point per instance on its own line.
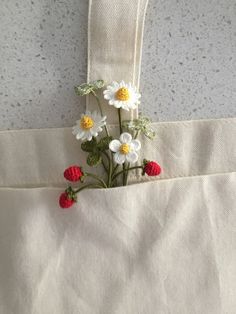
x=122 y=95
x=73 y=174
x=67 y=198
x=89 y=125
x=151 y=168
x=98 y=143
x=125 y=149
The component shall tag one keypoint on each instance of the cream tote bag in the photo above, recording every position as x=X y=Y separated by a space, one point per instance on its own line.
x=155 y=247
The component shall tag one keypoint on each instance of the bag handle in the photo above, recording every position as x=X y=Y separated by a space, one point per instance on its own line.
x=115 y=36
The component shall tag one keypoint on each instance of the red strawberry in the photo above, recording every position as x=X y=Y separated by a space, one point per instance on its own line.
x=65 y=200
x=73 y=173
x=151 y=168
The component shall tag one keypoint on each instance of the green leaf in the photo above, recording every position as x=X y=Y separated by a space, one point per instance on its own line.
x=83 y=89
x=142 y=124
x=87 y=88
x=98 y=84
x=89 y=146
x=94 y=159
x=103 y=144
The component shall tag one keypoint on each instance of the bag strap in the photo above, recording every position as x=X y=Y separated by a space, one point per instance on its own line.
x=115 y=36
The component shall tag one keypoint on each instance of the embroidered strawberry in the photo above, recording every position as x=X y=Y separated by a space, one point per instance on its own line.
x=151 y=168
x=73 y=173
x=67 y=198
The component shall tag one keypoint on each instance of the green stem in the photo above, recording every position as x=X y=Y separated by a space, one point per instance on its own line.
x=106 y=154
x=127 y=173
x=96 y=178
x=110 y=173
x=121 y=131
x=123 y=171
x=136 y=135
x=114 y=170
x=94 y=186
x=100 y=109
x=128 y=165
x=109 y=168
x=120 y=123
x=104 y=166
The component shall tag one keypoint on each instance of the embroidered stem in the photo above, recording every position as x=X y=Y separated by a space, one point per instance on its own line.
x=123 y=171
x=109 y=169
x=96 y=178
x=110 y=173
x=127 y=173
x=100 y=109
x=114 y=170
x=128 y=166
x=120 y=123
x=93 y=186
x=104 y=166
x=137 y=134
x=121 y=131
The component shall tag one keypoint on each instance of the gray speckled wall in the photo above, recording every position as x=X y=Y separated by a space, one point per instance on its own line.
x=188 y=69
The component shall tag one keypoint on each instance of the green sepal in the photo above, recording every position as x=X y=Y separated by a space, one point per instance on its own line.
x=82 y=178
x=145 y=161
x=71 y=194
x=94 y=159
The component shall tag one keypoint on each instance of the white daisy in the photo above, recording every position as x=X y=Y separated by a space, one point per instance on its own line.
x=125 y=149
x=89 y=125
x=122 y=95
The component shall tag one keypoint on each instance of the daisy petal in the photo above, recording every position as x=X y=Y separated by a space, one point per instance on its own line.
x=107 y=96
x=114 y=145
x=87 y=133
x=94 y=133
x=136 y=145
x=115 y=84
x=125 y=137
x=132 y=157
x=89 y=137
x=125 y=106
x=80 y=135
x=119 y=158
x=110 y=95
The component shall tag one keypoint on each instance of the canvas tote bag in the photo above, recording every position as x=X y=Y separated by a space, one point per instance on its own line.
x=155 y=247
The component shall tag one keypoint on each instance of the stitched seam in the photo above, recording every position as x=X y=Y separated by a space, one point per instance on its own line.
x=186 y=123
x=124 y=187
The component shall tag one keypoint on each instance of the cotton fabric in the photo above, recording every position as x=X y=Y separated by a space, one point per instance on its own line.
x=35 y=158
x=115 y=45
x=167 y=245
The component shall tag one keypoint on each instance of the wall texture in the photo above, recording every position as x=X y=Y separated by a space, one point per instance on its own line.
x=188 y=69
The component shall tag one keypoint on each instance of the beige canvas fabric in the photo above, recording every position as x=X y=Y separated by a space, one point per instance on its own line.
x=157 y=247
x=36 y=158
x=166 y=246
x=115 y=45
x=151 y=248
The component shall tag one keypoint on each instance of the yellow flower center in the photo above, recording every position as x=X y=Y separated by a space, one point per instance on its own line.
x=124 y=149
x=122 y=94
x=86 y=122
